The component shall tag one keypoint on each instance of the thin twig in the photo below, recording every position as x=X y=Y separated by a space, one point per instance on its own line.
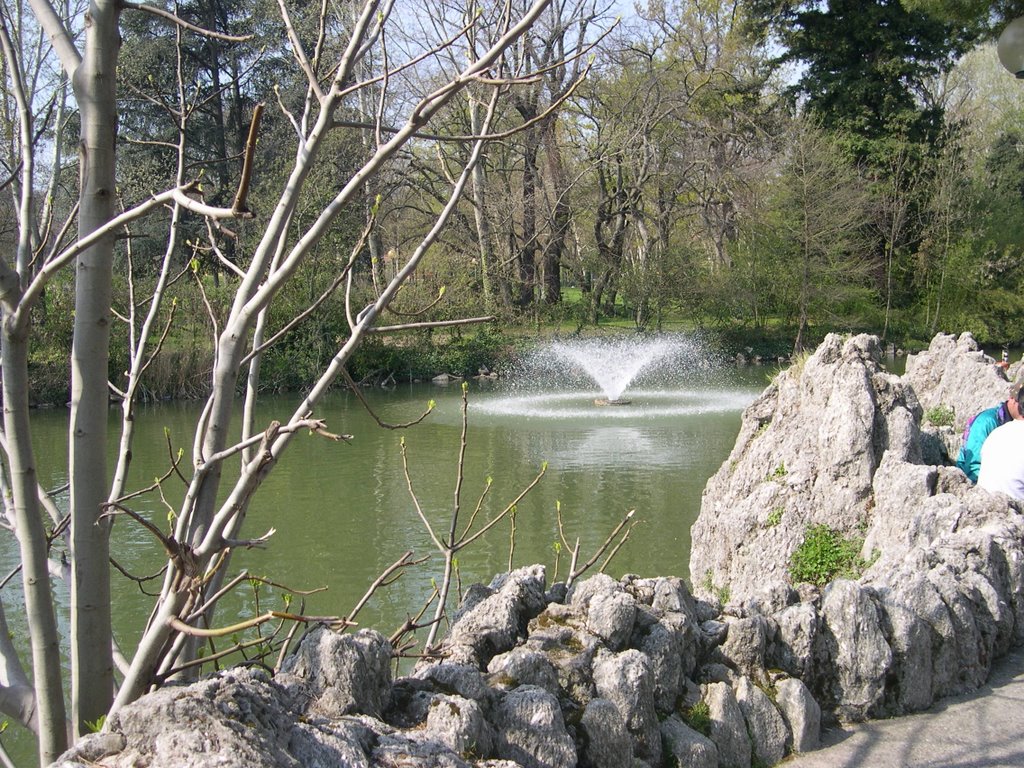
x=359 y=396
x=335 y=622
x=139 y=579
x=164 y=14
x=607 y=542
x=508 y=509
x=415 y=500
x=405 y=561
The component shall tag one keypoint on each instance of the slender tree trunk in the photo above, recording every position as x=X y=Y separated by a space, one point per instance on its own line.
x=483 y=225
x=91 y=652
x=51 y=717
x=528 y=248
x=560 y=216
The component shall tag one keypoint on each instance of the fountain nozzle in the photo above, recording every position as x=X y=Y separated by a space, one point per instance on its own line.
x=604 y=401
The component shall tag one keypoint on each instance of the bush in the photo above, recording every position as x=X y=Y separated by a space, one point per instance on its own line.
x=426 y=356
x=698 y=717
x=825 y=555
x=940 y=416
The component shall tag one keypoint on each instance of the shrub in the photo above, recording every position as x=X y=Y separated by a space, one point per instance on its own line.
x=940 y=416
x=698 y=717
x=825 y=555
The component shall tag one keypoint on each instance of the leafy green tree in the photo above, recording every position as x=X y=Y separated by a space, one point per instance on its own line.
x=865 y=63
x=818 y=216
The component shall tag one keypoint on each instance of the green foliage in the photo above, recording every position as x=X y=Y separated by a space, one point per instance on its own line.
x=698 y=717
x=774 y=517
x=96 y=725
x=779 y=472
x=428 y=355
x=824 y=555
x=722 y=594
x=865 y=62
x=940 y=416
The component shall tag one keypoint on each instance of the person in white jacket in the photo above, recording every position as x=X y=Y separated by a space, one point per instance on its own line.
x=1002 y=460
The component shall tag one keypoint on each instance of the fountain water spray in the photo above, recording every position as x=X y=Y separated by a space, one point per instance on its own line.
x=614 y=364
x=664 y=376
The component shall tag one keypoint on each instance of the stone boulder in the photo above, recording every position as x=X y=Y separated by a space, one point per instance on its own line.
x=807 y=453
x=837 y=441
x=601 y=682
x=954 y=373
x=495 y=620
x=340 y=674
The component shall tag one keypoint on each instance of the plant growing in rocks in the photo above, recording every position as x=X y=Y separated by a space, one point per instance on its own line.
x=824 y=555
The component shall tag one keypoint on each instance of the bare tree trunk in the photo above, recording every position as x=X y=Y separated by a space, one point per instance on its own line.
x=483 y=225
x=94 y=81
x=560 y=215
x=528 y=247
x=51 y=717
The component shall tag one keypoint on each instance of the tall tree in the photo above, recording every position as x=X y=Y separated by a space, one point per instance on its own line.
x=865 y=64
x=820 y=210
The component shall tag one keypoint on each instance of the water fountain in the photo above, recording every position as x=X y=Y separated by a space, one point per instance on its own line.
x=661 y=376
x=614 y=364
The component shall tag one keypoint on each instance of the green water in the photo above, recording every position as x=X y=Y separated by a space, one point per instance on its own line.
x=343 y=511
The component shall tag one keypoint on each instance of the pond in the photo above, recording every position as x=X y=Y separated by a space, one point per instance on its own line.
x=343 y=511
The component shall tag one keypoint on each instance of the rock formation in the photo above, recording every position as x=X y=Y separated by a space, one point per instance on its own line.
x=640 y=672
x=633 y=673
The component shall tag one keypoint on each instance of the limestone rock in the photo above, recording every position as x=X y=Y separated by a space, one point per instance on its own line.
x=235 y=719
x=342 y=674
x=744 y=644
x=686 y=746
x=523 y=666
x=807 y=453
x=801 y=713
x=460 y=679
x=608 y=742
x=672 y=594
x=954 y=373
x=793 y=647
x=530 y=730
x=767 y=729
x=625 y=679
x=315 y=745
x=670 y=645
x=851 y=651
x=728 y=727
x=611 y=616
x=460 y=725
x=497 y=622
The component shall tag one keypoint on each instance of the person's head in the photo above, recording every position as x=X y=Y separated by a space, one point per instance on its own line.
x=1015 y=404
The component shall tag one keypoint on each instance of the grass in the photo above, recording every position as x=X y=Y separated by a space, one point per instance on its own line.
x=940 y=416
x=825 y=555
x=698 y=717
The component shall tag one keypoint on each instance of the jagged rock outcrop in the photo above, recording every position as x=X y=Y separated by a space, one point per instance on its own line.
x=807 y=453
x=955 y=374
x=938 y=595
x=640 y=672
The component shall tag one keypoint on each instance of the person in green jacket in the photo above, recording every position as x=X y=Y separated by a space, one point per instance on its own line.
x=981 y=426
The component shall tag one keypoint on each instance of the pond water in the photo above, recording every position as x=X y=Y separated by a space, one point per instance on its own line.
x=343 y=511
